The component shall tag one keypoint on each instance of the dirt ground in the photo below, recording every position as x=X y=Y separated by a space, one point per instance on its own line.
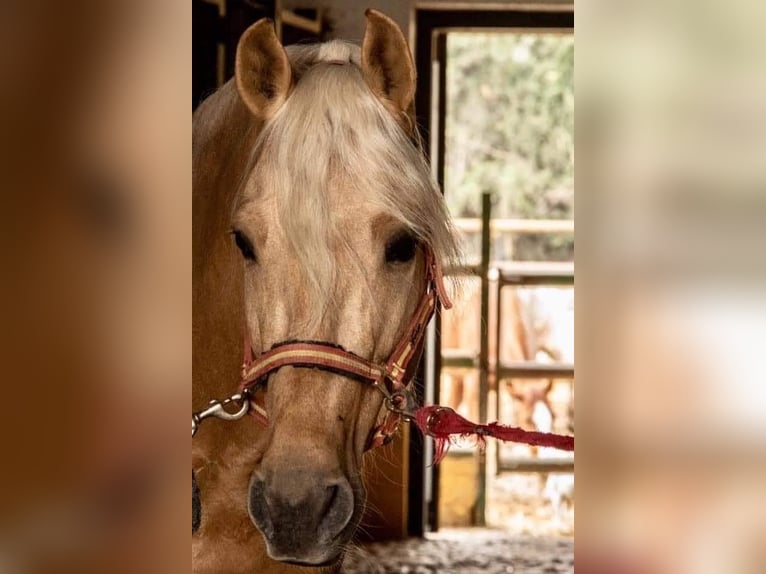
x=527 y=535
x=465 y=551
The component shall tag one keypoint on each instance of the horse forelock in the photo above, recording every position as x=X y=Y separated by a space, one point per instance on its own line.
x=333 y=136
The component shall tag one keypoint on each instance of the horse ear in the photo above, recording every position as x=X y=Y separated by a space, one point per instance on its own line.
x=262 y=69
x=387 y=63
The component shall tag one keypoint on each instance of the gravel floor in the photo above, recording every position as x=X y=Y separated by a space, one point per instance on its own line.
x=466 y=551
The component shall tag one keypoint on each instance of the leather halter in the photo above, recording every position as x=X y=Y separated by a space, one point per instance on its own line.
x=391 y=377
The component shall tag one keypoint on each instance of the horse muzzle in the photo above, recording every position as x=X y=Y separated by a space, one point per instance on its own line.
x=304 y=517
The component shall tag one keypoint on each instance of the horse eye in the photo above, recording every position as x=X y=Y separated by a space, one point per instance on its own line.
x=401 y=248
x=244 y=245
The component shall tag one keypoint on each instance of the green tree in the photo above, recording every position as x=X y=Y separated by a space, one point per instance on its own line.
x=510 y=131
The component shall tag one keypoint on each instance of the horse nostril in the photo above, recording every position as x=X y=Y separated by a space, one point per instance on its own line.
x=337 y=509
x=332 y=495
x=258 y=506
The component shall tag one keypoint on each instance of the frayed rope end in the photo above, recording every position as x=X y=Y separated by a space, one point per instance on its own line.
x=443 y=424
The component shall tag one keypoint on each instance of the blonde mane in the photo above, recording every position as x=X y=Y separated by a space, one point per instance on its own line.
x=333 y=128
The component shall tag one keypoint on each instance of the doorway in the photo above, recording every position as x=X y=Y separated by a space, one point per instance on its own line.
x=495 y=98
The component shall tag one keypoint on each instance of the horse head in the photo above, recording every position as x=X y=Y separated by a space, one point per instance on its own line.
x=335 y=219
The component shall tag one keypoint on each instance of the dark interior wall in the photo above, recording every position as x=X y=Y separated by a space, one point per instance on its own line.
x=216 y=28
x=205 y=32
x=346 y=17
x=210 y=28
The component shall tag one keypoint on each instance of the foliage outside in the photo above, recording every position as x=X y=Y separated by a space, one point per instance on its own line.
x=510 y=131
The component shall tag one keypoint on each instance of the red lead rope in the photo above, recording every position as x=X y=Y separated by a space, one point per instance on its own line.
x=442 y=423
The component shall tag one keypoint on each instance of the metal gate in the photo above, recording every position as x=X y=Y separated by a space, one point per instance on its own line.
x=498 y=277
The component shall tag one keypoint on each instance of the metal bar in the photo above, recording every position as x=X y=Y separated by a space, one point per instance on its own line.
x=460 y=361
x=516 y=272
x=486 y=216
x=535 y=267
x=473 y=224
x=539 y=5
x=437 y=91
x=529 y=274
x=498 y=346
x=431 y=367
x=538 y=280
x=470 y=270
x=533 y=370
x=536 y=465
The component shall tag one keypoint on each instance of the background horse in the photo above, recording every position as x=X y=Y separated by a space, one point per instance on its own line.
x=312 y=205
x=536 y=326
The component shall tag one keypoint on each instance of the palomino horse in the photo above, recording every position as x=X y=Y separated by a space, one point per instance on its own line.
x=315 y=220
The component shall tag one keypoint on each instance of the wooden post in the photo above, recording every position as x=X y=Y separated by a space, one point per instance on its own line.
x=481 y=494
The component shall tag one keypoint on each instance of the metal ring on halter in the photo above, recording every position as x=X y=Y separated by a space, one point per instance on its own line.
x=400 y=395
